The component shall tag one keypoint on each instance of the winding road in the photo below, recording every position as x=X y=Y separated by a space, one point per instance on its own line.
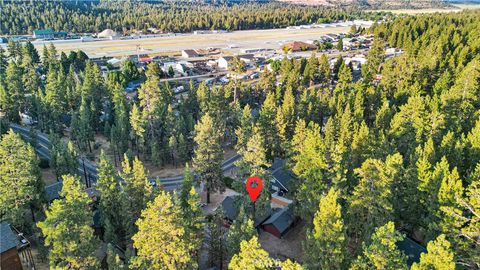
x=89 y=169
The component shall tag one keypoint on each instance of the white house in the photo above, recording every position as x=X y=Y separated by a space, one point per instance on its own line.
x=223 y=62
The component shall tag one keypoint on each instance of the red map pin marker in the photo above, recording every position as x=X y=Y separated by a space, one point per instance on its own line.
x=254 y=187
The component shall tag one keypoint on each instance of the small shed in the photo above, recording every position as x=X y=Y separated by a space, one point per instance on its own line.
x=279 y=223
x=8 y=249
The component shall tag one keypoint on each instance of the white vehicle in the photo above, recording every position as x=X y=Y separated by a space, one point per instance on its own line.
x=254 y=76
x=224 y=80
x=178 y=89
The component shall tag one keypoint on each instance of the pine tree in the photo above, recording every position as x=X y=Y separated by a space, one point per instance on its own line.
x=267 y=126
x=15 y=96
x=160 y=240
x=465 y=223
x=113 y=260
x=451 y=190
x=374 y=58
x=149 y=95
x=187 y=185
x=254 y=159
x=216 y=245
x=251 y=257
x=137 y=192
x=244 y=131
x=129 y=70
x=121 y=119
x=64 y=158
x=309 y=166
x=325 y=72
x=110 y=199
x=382 y=252
x=3 y=61
x=209 y=155
x=192 y=215
x=325 y=244
x=138 y=123
x=20 y=181
x=285 y=118
x=311 y=72
x=93 y=91
x=242 y=229
x=67 y=229
x=82 y=130
x=54 y=98
x=438 y=256
x=371 y=204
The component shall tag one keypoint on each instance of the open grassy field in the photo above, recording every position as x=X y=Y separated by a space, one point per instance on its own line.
x=271 y=39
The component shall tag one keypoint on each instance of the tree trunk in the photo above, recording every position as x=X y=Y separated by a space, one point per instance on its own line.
x=208 y=195
x=33 y=213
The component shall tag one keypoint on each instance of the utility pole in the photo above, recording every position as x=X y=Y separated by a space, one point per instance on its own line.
x=85 y=172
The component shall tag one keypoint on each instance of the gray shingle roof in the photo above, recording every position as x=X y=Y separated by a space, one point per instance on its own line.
x=282 y=176
x=281 y=219
x=411 y=249
x=229 y=207
x=53 y=191
x=8 y=239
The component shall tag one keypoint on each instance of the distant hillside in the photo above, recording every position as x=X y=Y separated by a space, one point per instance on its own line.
x=375 y=4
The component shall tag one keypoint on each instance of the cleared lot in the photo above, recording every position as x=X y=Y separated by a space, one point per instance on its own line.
x=271 y=39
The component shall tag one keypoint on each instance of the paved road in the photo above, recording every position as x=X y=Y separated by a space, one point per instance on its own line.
x=208 y=75
x=168 y=183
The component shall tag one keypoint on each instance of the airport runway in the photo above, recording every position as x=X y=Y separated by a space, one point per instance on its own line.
x=230 y=42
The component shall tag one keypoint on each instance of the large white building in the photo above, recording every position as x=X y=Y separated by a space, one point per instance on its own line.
x=223 y=62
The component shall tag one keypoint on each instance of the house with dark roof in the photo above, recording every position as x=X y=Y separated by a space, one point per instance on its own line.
x=52 y=191
x=412 y=249
x=9 y=258
x=281 y=177
x=229 y=207
x=279 y=223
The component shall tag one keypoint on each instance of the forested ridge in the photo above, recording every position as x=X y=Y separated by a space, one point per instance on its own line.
x=374 y=160
x=22 y=17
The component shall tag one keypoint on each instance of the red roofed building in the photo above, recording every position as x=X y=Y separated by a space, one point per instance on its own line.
x=298 y=46
x=145 y=58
